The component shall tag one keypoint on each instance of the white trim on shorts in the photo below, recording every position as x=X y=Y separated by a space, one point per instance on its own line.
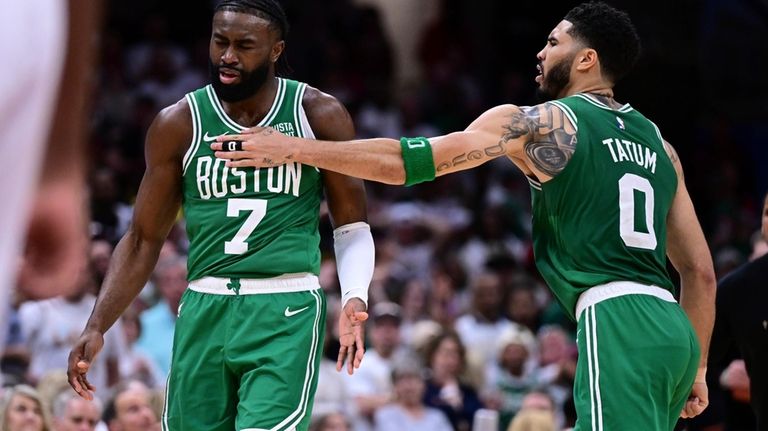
x=593 y=365
x=294 y=419
x=615 y=289
x=286 y=283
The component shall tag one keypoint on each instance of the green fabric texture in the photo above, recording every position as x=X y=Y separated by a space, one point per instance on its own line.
x=245 y=361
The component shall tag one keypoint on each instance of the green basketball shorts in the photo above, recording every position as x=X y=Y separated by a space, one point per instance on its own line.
x=638 y=357
x=245 y=355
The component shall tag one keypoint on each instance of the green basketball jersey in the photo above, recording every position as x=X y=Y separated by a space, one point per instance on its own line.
x=603 y=218
x=246 y=222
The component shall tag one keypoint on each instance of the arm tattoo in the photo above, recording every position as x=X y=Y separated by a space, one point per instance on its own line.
x=490 y=152
x=549 y=140
x=671 y=152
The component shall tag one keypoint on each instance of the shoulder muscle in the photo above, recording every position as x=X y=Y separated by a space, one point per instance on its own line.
x=327 y=116
x=170 y=133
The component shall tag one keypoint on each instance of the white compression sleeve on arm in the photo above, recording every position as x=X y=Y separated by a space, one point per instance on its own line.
x=355 y=257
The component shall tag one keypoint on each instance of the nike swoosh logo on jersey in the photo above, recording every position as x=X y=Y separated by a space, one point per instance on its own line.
x=207 y=138
x=289 y=312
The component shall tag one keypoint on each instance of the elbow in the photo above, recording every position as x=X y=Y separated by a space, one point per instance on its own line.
x=702 y=276
x=708 y=283
x=707 y=276
x=138 y=240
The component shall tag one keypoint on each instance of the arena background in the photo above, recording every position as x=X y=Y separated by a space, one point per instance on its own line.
x=701 y=77
x=426 y=67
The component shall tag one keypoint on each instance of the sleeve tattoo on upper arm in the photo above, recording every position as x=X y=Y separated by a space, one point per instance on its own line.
x=550 y=142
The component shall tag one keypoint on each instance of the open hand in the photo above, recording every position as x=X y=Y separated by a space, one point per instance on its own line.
x=351 y=335
x=80 y=360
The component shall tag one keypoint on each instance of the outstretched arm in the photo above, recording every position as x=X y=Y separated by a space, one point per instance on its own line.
x=688 y=251
x=539 y=139
x=377 y=159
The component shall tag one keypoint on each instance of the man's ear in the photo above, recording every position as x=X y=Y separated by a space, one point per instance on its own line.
x=587 y=59
x=277 y=50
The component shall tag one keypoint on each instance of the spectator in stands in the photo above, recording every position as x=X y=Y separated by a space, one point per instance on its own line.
x=481 y=328
x=533 y=420
x=23 y=410
x=371 y=385
x=130 y=409
x=557 y=362
x=523 y=305
x=72 y=413
x=136 y=364
x=408 y=412
x=513 y=376
x=158 y=322
x=332 y=398
x=446 y=359
x=332 y=422
x=51 y=326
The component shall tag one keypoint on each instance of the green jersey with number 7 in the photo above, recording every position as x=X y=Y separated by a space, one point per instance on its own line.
x=246 y=222
x=619 y=168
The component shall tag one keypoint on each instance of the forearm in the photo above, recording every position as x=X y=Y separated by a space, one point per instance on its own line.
x=132 y=263
x=355 y=260
x=697 y=298
x=377 y=159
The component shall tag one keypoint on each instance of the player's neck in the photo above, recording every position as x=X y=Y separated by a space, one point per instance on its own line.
x=600 y=90
x=252 y=110
x=592 y=86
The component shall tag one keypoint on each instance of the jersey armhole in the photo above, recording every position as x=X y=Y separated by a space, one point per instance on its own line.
x=302 y=122
x=568 y=112
x=193 y=146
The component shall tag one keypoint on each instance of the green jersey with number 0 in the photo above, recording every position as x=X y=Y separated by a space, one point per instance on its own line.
x=603 y=218
x=246 y=222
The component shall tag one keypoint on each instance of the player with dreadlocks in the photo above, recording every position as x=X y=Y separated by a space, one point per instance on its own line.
x=250 y=326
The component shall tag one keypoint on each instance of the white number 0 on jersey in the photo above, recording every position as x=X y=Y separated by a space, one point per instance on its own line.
x=631 y=237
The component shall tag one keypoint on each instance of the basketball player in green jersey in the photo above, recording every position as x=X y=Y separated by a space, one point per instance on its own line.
x=250 y=327
x=609 y=205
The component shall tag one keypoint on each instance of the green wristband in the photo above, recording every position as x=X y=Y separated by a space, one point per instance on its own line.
x=417 y=160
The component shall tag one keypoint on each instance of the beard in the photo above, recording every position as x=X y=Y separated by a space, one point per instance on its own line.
x=250 y=82
x=555 y=81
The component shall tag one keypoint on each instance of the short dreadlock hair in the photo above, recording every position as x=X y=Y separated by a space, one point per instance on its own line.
x=269 y=10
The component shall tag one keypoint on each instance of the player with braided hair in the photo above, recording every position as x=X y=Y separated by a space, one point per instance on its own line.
x=250 y=327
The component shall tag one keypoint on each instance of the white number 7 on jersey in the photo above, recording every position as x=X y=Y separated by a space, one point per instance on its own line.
x=258 y=209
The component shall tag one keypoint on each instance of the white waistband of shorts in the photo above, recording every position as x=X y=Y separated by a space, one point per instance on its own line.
x=615 y=289
x=255 y=286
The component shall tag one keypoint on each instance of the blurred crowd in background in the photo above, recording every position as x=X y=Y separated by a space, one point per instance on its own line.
x=460 y=319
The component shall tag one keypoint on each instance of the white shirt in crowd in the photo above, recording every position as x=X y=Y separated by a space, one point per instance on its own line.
x=50 y=328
